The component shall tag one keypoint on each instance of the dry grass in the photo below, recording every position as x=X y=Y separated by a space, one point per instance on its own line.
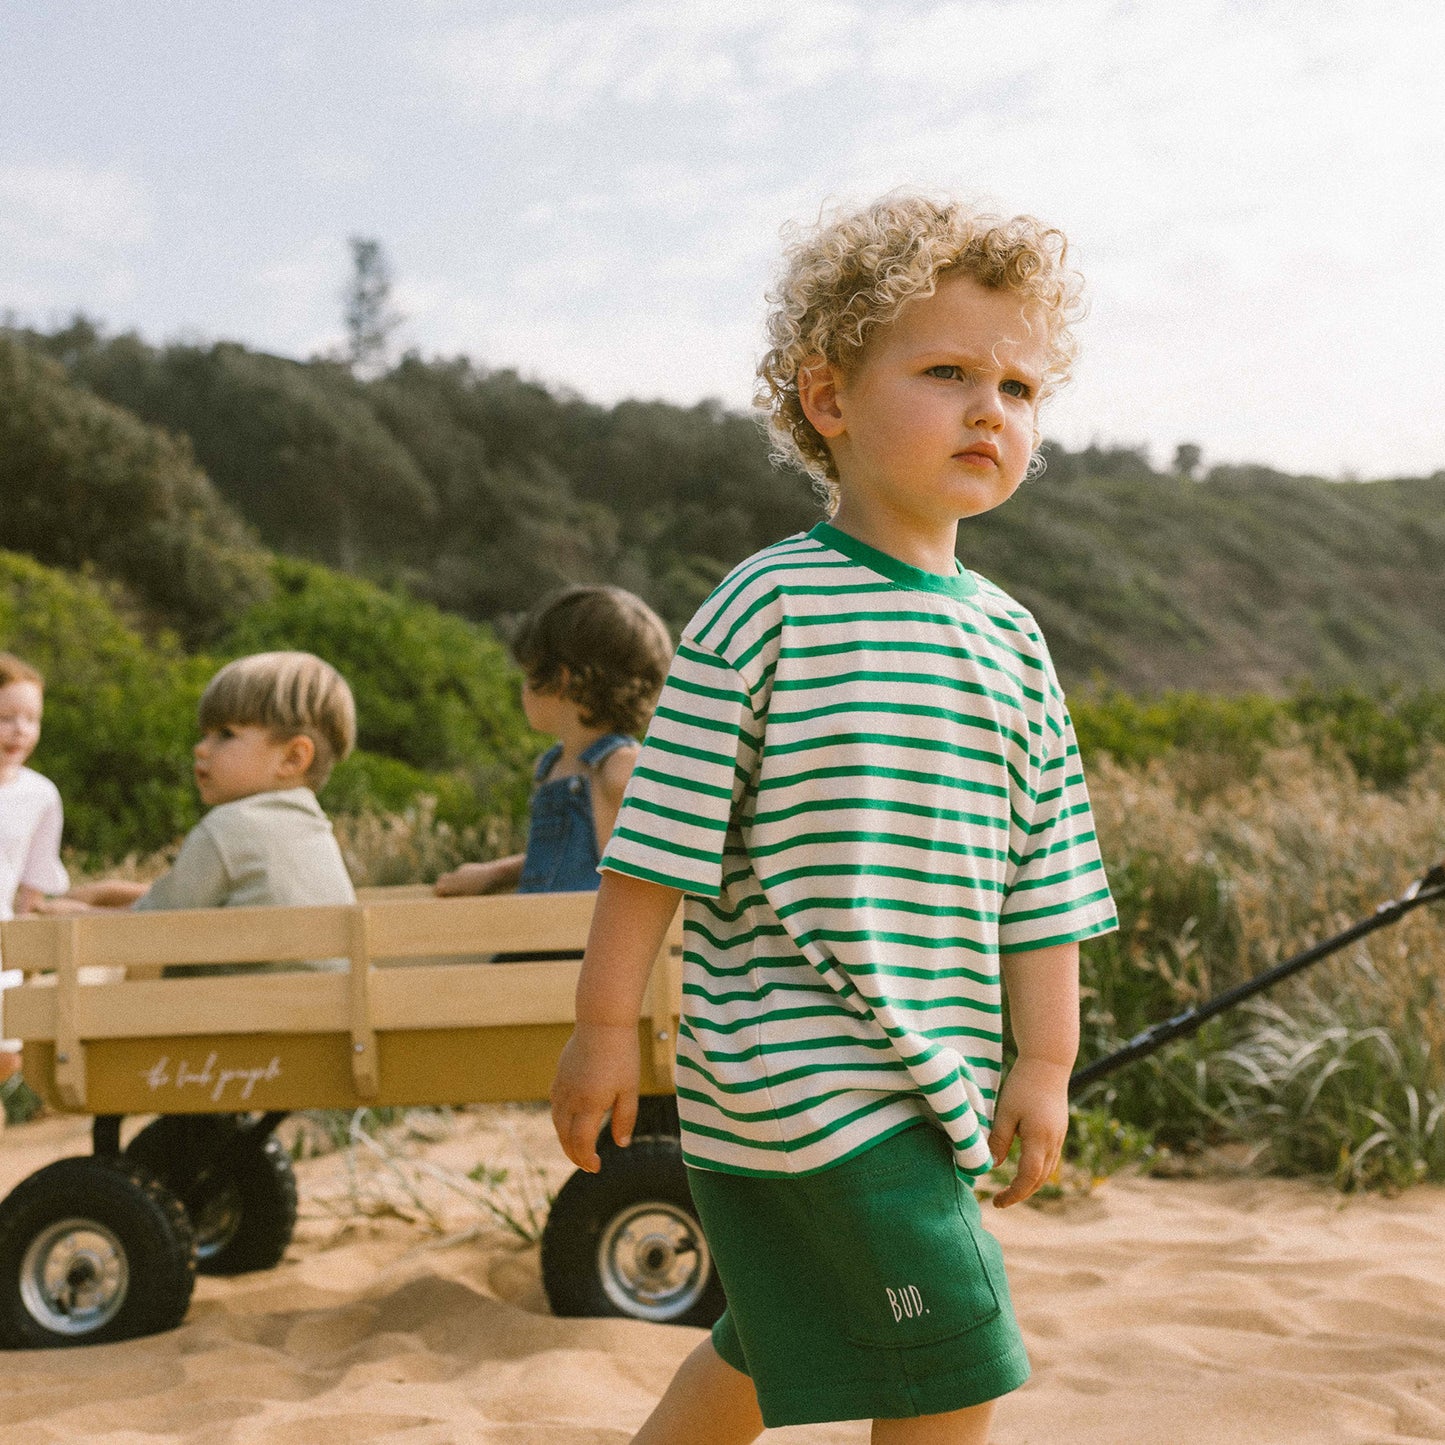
x=1218 y=877
x=413 y=846
x=1222 y=866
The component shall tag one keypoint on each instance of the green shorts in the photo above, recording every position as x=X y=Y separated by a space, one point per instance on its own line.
x=868 y=1291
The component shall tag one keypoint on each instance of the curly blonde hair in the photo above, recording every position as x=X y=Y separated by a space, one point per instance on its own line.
x=855 y=271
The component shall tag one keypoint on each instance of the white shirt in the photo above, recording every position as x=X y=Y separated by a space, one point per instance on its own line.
x=30 y=823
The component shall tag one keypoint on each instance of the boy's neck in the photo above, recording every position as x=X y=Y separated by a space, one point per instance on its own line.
x=576 y=738
x=282 y=787
x=931 y=547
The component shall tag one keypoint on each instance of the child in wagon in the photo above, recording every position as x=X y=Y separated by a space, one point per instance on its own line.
x=31 y=816
x=594 y=660
x=273 y=725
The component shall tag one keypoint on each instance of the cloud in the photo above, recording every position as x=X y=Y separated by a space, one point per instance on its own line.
x=74 y=209
x=593 y=189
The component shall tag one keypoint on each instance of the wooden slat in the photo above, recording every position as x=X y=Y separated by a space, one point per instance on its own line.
x=400 y=927
x=663 y=1001
x=231 y=935
x=69 y=1051
x=365 y=1063
x=432 y=996
x=288 y=1002
x=512 y=923
x=475 y=996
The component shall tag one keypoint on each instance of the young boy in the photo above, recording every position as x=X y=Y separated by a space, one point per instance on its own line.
x=31 y=817
x=30 y=811
x=862 y=777
x=272 y=727
x=594 y=660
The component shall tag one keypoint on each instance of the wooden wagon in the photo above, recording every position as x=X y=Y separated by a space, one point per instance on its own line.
x=393 y=1001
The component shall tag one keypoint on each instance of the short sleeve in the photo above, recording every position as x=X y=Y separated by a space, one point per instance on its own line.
x=689 y=779
x=197 y=879
x=42 y=869
x=1056 y=891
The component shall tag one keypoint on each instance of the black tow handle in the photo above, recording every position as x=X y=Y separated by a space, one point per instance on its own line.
x=1426 y=889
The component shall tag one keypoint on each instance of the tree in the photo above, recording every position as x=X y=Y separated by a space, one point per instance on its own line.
x=85 y=482
x=369 y=317
x=1187 y=456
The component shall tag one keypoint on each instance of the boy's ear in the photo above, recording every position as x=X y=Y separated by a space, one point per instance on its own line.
x=298 y=755
x=819 y=384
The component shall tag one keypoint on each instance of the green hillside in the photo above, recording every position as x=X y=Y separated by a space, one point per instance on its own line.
x=478 y=491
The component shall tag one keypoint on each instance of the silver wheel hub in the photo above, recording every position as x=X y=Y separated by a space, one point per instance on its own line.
x=215 y=1220
x=653 y=1261
x=74 y=1277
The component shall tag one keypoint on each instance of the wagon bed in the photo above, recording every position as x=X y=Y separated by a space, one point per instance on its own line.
x=406 y=1009
x=417 y=1015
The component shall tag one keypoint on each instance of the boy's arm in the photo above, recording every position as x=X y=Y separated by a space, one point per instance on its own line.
x=197 y=879
x=26 y=899
x=496 y=875
x=1043 y=996
x=109 y=892
x=609 y=783
x=600 y=1065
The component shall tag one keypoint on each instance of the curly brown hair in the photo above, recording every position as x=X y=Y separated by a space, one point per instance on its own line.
x=616 y=651
x=856 y=270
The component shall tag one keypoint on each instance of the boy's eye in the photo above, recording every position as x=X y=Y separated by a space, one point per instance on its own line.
x=1019 y=389
x=945 y=372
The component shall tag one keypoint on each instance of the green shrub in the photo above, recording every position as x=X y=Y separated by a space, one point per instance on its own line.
x=86 y=483
x=1384 y=734
x=119 y=710
x=433 y=691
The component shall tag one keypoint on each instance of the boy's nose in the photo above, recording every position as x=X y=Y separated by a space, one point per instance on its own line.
x=985 y=408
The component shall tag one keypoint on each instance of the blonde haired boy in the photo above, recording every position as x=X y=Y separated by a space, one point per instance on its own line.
x=273 y=725
x=862 y=778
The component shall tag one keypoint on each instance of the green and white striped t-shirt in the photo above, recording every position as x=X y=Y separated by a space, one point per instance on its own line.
x=865 y=779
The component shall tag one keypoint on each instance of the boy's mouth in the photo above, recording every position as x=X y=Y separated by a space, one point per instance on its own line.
x=983 y=451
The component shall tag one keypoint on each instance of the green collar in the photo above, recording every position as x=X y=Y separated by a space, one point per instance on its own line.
x=961 y=584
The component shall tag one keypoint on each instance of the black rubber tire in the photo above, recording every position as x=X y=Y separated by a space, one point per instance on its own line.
x=130 y=1249
x=632 y=1226
x=656 y=1119
x=237 y=1185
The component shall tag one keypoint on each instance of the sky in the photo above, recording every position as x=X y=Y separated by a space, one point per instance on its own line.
x=592 y=191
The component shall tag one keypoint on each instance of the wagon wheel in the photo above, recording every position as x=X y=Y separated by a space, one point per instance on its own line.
x=656 y=1118
x=235 y=1181
x=627 y=1242
x=92 y=1249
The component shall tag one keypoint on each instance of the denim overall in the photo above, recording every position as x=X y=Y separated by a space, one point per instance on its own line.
x=561 y=838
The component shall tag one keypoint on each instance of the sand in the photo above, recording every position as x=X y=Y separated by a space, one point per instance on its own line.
x=1173 y=1311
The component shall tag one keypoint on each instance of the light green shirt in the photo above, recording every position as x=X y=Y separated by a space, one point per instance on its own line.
x=274 y=848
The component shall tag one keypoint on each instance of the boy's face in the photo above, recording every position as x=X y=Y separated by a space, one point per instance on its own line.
x=236 y=760
x=21 y=704
x=936 y=421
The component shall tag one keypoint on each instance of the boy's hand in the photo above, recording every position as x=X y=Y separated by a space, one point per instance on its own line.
x=1034 y=1104
x=54 y=907
x=599 y=1070
x=475 y=878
